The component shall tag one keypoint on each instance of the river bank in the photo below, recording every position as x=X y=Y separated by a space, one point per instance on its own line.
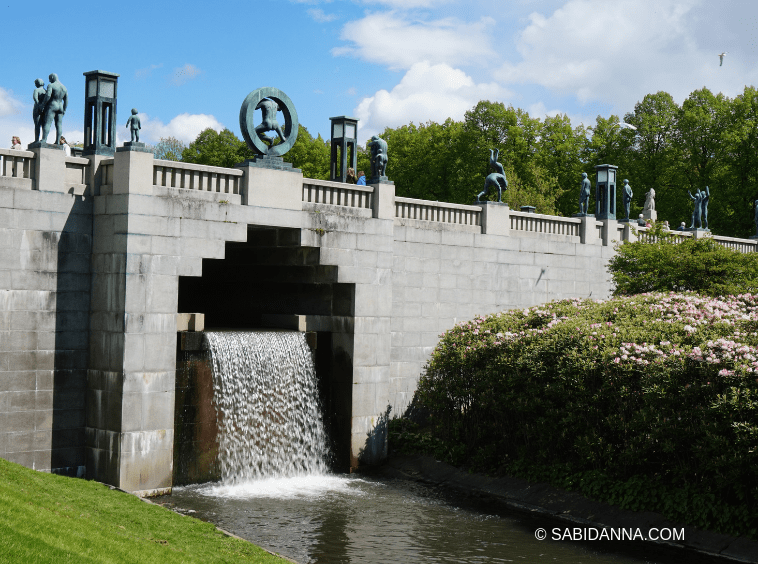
x=568 y=507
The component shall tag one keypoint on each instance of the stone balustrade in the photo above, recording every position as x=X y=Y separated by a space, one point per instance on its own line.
x=537 y=223
x=439 y=212
x=172 y=174
x=16 y=169
x=337 y=194
x=742 y=245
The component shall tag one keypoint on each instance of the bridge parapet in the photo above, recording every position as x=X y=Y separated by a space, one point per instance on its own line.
x=191 y=176
x=16 y=169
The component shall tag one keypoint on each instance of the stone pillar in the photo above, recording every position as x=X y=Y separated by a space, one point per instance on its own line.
x=588 y=230
x=610 y=230
x=94 y=174
x=384 y=200
x=629 y=233
x=271 y=183
x=133 y=169
x=495 y=218
x=49 y=167
x=130 y=381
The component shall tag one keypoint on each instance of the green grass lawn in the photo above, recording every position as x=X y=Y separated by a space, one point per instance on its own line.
x=48 y=518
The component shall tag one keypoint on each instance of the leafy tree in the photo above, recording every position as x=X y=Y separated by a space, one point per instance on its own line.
x=310 y=155
x=739 y=186
x=698 y=265
x=169 y=149
x=216 y=149
x=560 y=154
x=653 y=160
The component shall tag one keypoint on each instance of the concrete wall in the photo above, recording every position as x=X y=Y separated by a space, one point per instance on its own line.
x=441 y=277
x=91 y=257
x=45 y=248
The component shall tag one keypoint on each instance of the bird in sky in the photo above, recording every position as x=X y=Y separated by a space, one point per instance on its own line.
x=721 y=57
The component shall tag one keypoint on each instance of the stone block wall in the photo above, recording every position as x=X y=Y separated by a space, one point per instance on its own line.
x=445 y=274
x=45 y=247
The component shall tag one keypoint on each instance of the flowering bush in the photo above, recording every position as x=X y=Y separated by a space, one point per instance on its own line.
x=658 y=385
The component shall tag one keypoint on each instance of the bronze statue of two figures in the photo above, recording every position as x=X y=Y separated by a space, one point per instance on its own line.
x=49 y=107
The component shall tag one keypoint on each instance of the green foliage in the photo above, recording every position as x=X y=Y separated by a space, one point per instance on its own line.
x=656 y=387
x=310 y=155
x=215 y=148
x=671 y=264
x=169 y=149
x=49 y=518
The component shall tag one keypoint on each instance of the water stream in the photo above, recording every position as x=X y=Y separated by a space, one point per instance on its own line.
x=276 y=490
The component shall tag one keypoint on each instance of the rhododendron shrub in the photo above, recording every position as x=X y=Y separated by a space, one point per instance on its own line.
x=662 y=385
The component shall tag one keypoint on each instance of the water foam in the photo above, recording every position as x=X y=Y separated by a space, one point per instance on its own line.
x=269 y=419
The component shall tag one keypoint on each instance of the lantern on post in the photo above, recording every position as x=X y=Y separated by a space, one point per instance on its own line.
x=344 y=147
x=100 y=113
x=605 y=191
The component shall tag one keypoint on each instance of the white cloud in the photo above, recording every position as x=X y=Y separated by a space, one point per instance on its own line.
x=184 y=74
x=391 y=40
x=319 y=16
x=406 y=4
x=140 y=74
x=9 y=105
x=184 y=127
x=426 y=92
x=616 y=52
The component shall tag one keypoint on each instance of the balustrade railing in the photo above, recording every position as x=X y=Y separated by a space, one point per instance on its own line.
x=337 y=193
x=16 y=168
x=441 y=212
x=188 y=176
x=538 y=223
x=742 y=245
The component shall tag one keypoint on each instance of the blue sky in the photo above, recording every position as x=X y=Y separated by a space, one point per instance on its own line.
x=189 y=66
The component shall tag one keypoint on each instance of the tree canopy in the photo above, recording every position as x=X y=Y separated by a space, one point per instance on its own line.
x=708 y=140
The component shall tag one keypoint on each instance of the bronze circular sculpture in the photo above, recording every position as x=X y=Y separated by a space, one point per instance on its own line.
x=269 y=100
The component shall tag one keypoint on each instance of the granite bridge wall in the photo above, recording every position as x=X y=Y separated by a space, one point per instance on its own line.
x=98 y=255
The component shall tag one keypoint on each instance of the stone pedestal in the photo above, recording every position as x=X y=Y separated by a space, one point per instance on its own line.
x=652 y=215
x=587 y=229
x=269 y=182
x=135 y=146
x=133 y=171
x=384 y=200
x=699 y=233
x=49 y=167
x=495 y=218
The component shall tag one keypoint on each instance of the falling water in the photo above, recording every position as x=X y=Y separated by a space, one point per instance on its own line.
x=266 y=396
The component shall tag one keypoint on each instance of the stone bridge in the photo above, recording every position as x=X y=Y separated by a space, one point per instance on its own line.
x=98 y=255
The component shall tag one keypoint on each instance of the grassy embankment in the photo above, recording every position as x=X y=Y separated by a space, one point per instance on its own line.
x=48 y=518
x=648 y=402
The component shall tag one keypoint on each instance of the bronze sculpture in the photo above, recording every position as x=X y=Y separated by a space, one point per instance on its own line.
x=54 y=104
x=496 y=179
x=378 y=148
x=584 y=194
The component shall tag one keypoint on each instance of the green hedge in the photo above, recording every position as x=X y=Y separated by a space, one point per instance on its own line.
x=670 y=264
x=658 y=387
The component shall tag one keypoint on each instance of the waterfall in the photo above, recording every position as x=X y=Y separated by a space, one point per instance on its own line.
x=266 y=396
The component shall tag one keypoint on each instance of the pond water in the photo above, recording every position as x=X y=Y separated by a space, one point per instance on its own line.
x=353 y=519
